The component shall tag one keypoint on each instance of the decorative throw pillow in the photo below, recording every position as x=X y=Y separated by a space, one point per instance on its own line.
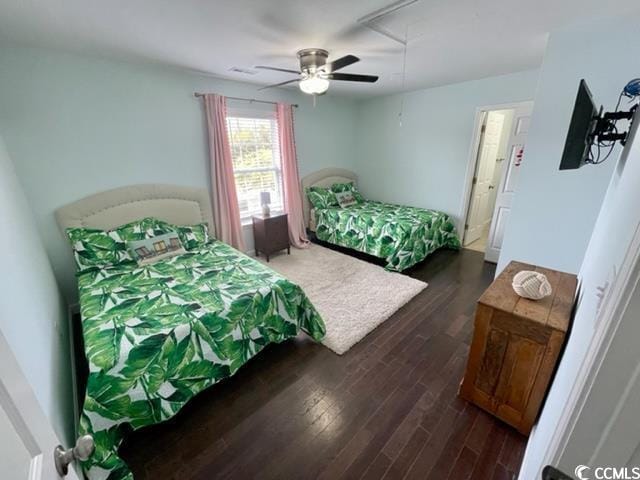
x=346 y=199
x=322 y=197
x=191 y=236
x=348 y=187
x=159 y=247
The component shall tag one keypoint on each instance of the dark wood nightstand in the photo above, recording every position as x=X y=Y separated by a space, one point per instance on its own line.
x=271 y=234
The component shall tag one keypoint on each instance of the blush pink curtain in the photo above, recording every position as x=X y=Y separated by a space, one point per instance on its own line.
x=290 y=176
x=226 y=212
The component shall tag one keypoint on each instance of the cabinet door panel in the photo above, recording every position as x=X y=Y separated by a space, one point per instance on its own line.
x=522 y=361
x=495 y=349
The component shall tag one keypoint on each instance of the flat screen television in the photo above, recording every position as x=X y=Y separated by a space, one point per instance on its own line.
x=581 y=130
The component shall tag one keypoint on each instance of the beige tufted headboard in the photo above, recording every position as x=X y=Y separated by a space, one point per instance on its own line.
x=112 y=208
x=323 y=178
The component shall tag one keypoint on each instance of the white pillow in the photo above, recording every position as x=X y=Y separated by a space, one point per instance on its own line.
x=346 y=199
x=151 y=250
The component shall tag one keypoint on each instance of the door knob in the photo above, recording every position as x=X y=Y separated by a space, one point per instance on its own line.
x=82 y=451
x=491 y=187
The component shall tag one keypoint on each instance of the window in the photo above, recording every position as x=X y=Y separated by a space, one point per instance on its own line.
x=256 y=160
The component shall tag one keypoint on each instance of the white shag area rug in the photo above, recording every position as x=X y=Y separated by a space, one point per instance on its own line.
x=352 y=296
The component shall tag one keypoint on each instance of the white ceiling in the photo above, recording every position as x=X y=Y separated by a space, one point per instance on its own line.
x=450 y=40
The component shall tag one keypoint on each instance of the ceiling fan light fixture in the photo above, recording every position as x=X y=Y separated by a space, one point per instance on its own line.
x=316 y=73
x=314 y=85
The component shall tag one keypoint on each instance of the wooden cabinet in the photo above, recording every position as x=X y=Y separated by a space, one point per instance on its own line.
x=515 y=347
x=271 y=234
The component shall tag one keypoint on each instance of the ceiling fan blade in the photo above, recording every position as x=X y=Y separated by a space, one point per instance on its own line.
x=352 y=77
x=286 y=70
x=340 y=63
x=278 y=84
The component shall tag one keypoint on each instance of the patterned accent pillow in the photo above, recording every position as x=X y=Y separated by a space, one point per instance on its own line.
x=322 y=197
x=156 y=248
x=191 y=236
x=348 y=187
x=346 y=199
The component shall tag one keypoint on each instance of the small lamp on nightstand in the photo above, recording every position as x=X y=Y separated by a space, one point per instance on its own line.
x=265 y=200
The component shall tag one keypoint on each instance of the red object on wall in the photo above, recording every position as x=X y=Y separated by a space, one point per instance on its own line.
x=519 y=157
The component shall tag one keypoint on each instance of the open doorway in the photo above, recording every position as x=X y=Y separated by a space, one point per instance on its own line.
x=494 y=133
x=497 y=154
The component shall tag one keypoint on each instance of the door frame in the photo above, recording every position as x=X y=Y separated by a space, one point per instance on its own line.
x=472 y=160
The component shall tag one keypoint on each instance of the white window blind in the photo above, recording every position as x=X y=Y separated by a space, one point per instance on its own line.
x=253 y=137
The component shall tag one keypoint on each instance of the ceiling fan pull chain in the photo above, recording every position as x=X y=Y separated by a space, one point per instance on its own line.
x=404 y=73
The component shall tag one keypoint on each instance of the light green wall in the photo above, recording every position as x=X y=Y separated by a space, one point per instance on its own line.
x=554 y=212
x=33 y=314
x=578 y=220
x=77 y=125
x=423 y=162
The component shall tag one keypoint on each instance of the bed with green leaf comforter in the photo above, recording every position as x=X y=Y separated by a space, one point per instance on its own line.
x=157 y=335
x=401 y=235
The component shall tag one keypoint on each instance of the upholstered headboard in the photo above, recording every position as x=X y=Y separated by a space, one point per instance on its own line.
x=323 y=178
x=112 y=208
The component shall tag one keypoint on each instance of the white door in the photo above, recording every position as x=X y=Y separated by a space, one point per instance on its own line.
x=27 y=438
x=509 y=180
x=480 y=208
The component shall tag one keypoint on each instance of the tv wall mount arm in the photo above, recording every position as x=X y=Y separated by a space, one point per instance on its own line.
x=605 y=132
x=605 y=127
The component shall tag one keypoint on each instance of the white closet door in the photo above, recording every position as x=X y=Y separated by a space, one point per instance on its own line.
x=509 y=180
x=480 y=207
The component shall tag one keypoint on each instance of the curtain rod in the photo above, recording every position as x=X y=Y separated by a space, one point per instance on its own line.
x=199 y=94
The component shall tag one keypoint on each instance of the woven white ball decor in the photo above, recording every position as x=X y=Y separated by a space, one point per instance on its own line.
x=533 y=285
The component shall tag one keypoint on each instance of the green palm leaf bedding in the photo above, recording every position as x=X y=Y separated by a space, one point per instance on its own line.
x=401 y=235
x=156 y=335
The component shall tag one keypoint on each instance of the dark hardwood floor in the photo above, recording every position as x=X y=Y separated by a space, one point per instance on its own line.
x=386 y=409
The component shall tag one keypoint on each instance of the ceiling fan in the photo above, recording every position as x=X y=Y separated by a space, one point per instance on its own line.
x=315 y=72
